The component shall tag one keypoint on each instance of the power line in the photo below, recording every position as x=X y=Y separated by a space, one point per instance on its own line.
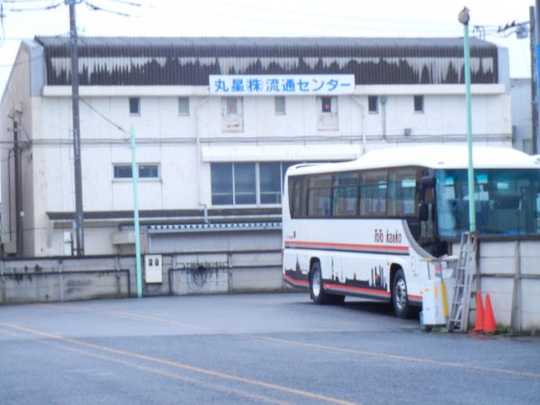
x=94 y=7
x=42 y=8
x=104 y=117
x=23 y=1
x=128 y=3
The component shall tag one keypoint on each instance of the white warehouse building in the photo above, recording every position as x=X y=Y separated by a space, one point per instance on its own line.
x=218 y=121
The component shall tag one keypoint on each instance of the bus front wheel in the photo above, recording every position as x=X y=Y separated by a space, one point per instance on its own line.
x=316 y=289
x=400 y=300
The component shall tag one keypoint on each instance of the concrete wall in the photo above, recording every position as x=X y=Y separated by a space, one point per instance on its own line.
x=500 y=271
x=498 y=266
x=66 y=278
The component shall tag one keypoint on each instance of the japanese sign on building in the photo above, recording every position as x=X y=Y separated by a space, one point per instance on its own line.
x=271 y=85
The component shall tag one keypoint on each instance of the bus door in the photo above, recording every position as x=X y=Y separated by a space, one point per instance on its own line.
x=427 y=216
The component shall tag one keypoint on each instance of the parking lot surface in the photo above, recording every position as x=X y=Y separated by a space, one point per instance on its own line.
x=271 y=348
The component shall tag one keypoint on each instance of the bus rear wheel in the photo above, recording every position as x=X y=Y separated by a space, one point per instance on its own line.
x=400 y=300
x=318 y=295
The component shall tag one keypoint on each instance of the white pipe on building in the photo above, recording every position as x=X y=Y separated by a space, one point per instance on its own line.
x=199 y=160
x=361 y=105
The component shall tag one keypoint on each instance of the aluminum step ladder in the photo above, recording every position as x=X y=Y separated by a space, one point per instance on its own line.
x=458 y=319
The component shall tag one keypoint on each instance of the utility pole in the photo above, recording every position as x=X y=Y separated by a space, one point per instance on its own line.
x=534 y=78
x=536 y=23
x=18 y=190
x=79 y=214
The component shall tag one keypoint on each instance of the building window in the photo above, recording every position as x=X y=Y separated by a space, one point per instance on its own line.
x=327 y=119
x=183 y=106
x=245 y=183
x=146 y=171
x=134 y=105
x=279 y=105
x=373 y=104
x=270 y=182
x=419 y=104
x=328 y=105
x=232 y=105
x=122 y=171
x=232 y=114
x=248 y=183
x=222 y=184
x=233 y=183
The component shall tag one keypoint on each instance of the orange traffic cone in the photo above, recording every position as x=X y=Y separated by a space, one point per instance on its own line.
x=479 y=321
x=489 y=318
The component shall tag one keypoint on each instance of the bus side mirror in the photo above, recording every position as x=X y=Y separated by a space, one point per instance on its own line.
x=423 y=212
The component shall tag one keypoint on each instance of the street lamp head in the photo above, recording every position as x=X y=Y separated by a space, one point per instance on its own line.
x=464 y=16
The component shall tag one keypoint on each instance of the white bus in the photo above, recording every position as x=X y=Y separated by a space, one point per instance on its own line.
x=373 y=226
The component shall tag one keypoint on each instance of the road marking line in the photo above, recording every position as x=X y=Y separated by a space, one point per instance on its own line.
x=215 y=387
x=399 y=357
x=184 y=366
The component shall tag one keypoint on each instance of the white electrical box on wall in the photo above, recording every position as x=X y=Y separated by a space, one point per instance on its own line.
x=153 y=267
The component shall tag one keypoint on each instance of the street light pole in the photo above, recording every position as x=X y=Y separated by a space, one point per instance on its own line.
x=136 y=222
x=464 y=18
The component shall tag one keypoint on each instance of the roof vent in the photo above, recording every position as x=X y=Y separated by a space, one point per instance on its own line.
x=407 y=131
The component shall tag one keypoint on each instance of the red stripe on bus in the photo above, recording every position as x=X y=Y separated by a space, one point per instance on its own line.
x=368 y=291
x=350 y=246
x=413 y=297
x=303 y=283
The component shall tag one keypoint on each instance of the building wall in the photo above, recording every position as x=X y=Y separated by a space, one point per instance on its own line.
x=520 y=92
x=17 y=102
x=166 y=138
x=186 y=146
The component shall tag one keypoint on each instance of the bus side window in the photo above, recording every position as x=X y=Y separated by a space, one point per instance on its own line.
x=320 y=196
x=296 y=196
x=345 y=198
x=402 y=192
x=373 y=190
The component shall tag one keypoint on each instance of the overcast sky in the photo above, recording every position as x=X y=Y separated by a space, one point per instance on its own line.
x=274 y=18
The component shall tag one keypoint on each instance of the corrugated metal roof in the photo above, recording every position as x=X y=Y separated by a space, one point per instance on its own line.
x=231 y=44
x=189 y=61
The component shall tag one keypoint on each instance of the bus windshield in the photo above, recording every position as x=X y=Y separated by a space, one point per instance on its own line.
x=507 y=202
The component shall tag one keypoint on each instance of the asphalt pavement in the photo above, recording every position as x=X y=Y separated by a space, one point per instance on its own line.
x=268 y=348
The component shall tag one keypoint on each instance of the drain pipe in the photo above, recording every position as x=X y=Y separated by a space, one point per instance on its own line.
x=199 y=160
x=362 y=129
x=384 y=99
